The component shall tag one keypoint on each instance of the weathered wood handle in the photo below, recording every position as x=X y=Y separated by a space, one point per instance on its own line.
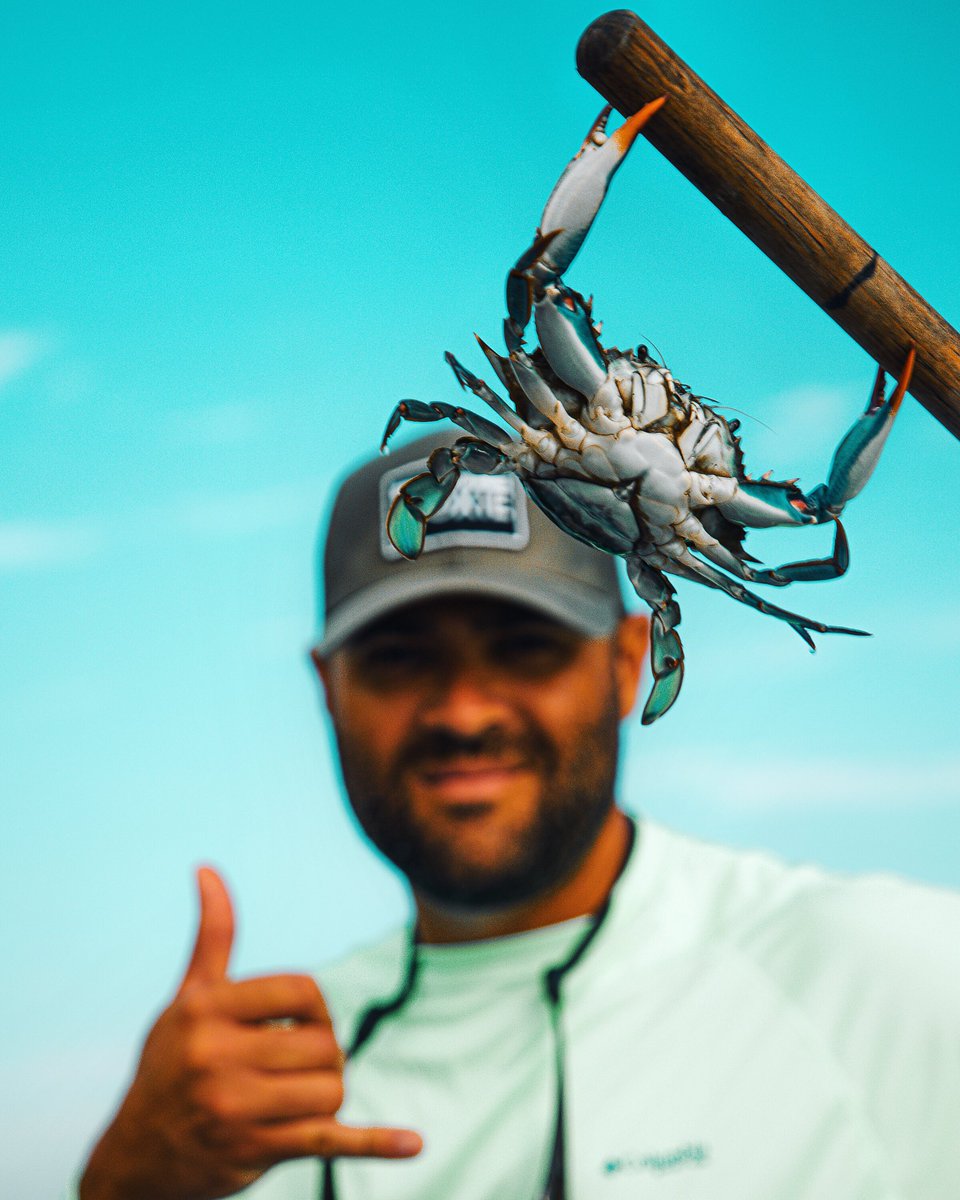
x=718 y=152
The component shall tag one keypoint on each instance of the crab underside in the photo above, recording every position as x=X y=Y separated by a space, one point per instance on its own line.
x=616 y=451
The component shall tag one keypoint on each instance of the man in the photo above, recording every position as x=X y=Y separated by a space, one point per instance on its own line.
x=585 y=1007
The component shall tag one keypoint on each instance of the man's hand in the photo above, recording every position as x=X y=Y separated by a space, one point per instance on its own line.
x=234 y=1078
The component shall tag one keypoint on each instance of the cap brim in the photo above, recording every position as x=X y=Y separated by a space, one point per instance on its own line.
x=589 y=611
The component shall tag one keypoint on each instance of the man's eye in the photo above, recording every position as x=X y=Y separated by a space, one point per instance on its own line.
x=394 y=658
x=533 y=652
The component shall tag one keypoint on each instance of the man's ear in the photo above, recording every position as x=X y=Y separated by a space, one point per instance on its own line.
x=631 y=642
x=322 y=669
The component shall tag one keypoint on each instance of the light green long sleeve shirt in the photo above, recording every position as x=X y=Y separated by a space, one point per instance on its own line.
x=740 y=1029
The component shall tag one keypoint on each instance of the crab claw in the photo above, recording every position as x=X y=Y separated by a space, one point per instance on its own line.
x=666 y=659
x=580 y=190
x=856 y=456
x=415 y=504
x=406 y=528
x=572 y=206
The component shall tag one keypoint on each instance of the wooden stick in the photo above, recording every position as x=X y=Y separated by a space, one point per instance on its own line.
x=718 y=152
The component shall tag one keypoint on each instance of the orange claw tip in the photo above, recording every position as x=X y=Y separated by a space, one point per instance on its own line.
x=905 y=376
x=625 y=135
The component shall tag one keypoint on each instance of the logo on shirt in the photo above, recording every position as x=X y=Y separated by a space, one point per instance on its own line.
x=692 y=1154
x=482 y=510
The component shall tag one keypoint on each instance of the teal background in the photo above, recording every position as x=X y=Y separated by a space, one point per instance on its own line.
x=232 y=238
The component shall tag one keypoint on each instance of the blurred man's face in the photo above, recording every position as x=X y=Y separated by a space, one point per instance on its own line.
x=478 y=742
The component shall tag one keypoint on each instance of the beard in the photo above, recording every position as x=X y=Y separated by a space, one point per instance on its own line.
x=576 y=795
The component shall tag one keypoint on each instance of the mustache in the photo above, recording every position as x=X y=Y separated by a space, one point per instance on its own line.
x=432 y=748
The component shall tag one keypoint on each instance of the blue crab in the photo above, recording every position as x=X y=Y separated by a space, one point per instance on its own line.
x=617 y=452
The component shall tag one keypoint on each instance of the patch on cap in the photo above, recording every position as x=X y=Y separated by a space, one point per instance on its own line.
x=487 y=511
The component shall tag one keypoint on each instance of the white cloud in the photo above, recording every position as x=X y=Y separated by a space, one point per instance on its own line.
x=242 y=513
x=29 y=545
x=19 y=350
x=802 y=422
x=778 y=783
x=39 y=544
x=217 y=424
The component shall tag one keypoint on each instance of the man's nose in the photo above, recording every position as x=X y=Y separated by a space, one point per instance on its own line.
x=466 y=700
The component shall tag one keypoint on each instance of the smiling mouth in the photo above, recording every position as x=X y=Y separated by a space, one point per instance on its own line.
x=470 y=787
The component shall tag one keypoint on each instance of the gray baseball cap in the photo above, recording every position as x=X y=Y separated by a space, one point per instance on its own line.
x=488 y=539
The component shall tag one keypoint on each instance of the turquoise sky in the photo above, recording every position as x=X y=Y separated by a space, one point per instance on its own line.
x=232 y=238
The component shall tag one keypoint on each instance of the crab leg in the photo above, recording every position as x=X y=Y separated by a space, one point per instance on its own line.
x=569 y=430
x=423 y=495
x=521 y=288
x=469 y=381
x=806 y=571
x=527 y=388
x=504 y=372
x=684 y=563
x=417 y=410
x=810 y=569
x=541 y=441
x=666 y=649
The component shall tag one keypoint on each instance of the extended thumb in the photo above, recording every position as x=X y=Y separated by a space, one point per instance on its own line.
x=211 y=950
